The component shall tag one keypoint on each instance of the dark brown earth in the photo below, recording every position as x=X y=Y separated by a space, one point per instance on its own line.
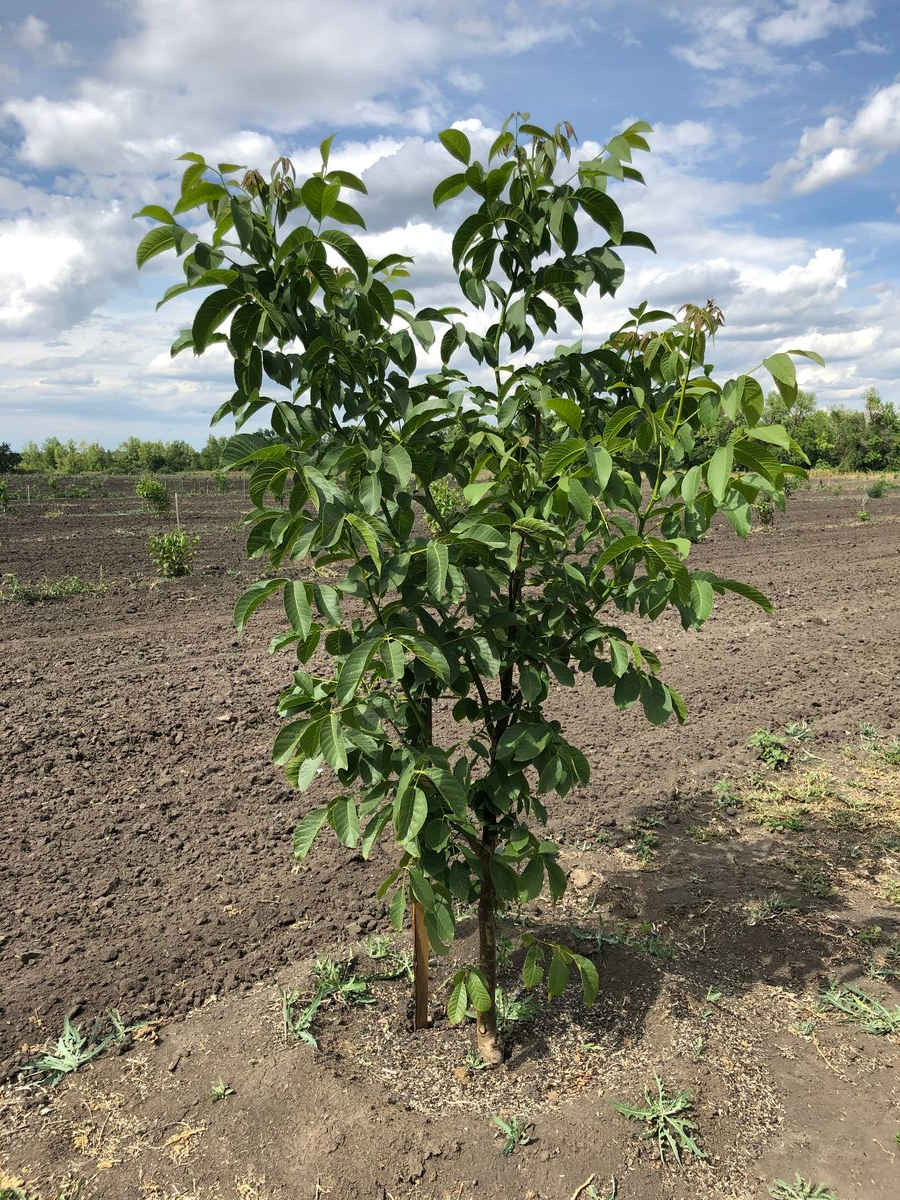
x=147 y=867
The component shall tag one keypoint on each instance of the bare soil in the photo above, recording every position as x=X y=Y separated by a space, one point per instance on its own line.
x=147 y=867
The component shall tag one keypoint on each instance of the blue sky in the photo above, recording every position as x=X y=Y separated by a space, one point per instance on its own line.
x=773 y=186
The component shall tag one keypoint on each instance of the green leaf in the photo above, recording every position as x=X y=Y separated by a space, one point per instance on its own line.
x=286 y=739
x=601 y=464
x=690 y=485
x=332 y=742
x=368 y=535
x=457 y=144
x=319 y=197
x=558 y=979
x=532 y=967
x=344 y=820
x=655 y=700
x=253 y=598
x=782 y=369
x=560 y=456
x=702 y=599
x=437 y=560
x=296 y=606
x=155 y=242
x=393 y=658
x=590 y=980
x=531 y=881
x=355 y=666
x=810 y=354
x=452 y=186
x=202 y=193
x=399 y=464
x=210 y=315
x=776 y=435
x=398 y=908
x=718 y=473
x=410 y=813
x=349 y=250
x=477 y=988
x=306 y=831
x=504 y=879
x=458 y=1004
x=567 y=410
x=740 y=589
x=374 y=830
x=428 y=653
x=157 y=213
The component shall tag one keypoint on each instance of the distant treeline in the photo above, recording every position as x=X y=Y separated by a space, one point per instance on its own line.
x=133 y=457
x=846 y=439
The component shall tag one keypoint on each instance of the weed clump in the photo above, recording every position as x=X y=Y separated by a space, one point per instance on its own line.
x=666 y=1120
x=13 y=591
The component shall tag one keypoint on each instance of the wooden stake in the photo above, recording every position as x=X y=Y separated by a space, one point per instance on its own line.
x=420 y=966
x=177 y=518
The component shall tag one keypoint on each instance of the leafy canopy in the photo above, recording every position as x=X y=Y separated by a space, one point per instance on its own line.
x=423 y=661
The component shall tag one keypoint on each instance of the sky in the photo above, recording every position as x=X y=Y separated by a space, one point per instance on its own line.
x=773 y=186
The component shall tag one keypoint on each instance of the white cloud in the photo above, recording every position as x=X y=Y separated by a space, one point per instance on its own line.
x=33 y=35
x=739 y=47
x=840 y=148
x=804 y=21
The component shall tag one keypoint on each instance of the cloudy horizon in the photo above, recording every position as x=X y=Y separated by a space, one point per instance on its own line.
x=773 y=182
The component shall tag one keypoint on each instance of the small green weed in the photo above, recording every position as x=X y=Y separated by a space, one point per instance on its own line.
x=666 y=1120
x=644 y=842
x=876 y=743
x=475 y=1062
x=398 y=963
x=514 y=1008
x=701 y=834
x=334 y=981
x=220 y=479
x=14 y=1189
x=172 y=552
x=725 y=796
x=869 y=935
x=72 y=1050
x=800 y=1189
x=516 y=1132
x=13 y=591
x=5 y=500
x=863 y=514
x=221 y=1091
x=781 y=822
x=876 y=490
x=768 y=908
x=814 y=882
x=773 y=750
x=865 y=1011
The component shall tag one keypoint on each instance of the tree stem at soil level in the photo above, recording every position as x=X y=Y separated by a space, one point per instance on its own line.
x=487 y=1037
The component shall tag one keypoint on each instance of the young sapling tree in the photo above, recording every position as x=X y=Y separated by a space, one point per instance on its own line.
x=422 y=669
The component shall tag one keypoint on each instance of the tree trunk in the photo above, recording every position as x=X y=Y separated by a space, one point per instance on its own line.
x=420 y=967
x=487 y=1037
x=421 y=945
